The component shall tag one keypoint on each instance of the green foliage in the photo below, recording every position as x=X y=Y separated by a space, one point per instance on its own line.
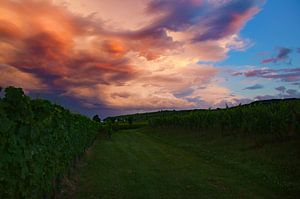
x=96 y=118
x=38 y=141
x=270 y=117
x=130 y=120
x=280 y=118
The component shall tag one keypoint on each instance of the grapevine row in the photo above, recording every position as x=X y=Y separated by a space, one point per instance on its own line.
x=38 y=142
x=281 y=118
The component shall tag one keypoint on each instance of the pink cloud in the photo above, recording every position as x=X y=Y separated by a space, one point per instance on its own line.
x=283 y=55
x=95 y=59
x=11 y=76
x=285 y=75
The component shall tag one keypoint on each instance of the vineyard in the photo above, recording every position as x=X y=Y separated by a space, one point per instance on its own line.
x=39 y=142
x=275 y=117
x=280 y=119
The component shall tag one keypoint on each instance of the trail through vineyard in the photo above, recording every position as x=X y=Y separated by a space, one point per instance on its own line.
x=145 y=163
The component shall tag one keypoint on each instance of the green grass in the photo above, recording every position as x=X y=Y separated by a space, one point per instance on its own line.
x=145 y=163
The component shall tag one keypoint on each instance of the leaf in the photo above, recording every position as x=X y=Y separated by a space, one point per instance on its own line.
x=5 y=124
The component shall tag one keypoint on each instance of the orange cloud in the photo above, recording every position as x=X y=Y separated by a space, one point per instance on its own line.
x=11 y=76
x=114 y=47
x=145 y=61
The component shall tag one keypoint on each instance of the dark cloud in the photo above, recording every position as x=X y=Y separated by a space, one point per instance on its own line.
x=211 y=22
x=179 y=15
x=44 y=50
x=283 y=55
x=184 y=93
x=296 y=83
x=285 y=75
x=227 y=19
x=122 y=95
x=291 y=91
x=53 y=59
x=281 y=89
x=71 y=55
x=254 y=87
x=48 y=50
x=254 y=73
x=9 y=30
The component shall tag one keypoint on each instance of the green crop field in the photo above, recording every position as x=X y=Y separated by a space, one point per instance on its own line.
x=157 y=163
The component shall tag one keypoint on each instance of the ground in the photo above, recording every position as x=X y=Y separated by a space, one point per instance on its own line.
x=145 y=163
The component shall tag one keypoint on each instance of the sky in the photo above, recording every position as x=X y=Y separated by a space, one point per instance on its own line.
x=114 y=57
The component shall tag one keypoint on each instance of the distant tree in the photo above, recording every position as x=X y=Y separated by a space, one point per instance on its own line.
x=96 y=118
x=130 y=120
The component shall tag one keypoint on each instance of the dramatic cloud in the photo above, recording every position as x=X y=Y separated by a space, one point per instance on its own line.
x=25 y=80
x=283 y=55
x=285 y=75
x=254 y=87
x=129 y=55
x=227 y=20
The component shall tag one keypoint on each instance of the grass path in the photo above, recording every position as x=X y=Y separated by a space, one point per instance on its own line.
x=138 y=165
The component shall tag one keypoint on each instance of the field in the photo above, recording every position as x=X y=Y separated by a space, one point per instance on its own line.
x=159 y=163
x=248 y=151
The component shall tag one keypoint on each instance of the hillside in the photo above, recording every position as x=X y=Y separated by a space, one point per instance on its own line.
x=149 y=115
x=274 y=117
